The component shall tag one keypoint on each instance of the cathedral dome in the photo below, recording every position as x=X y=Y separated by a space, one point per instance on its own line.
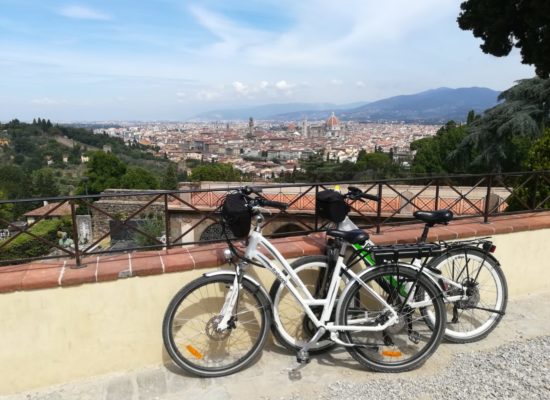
x=332 y=121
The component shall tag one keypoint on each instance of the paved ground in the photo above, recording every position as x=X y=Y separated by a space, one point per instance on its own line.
x=513 y=362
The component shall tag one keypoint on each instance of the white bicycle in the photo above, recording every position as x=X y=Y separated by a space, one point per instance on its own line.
x=218 y=324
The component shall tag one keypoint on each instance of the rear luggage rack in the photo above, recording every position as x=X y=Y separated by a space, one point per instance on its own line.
x=399 y=251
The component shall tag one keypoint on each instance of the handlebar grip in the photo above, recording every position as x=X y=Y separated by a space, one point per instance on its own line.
x=274 y=204
x=370 y=197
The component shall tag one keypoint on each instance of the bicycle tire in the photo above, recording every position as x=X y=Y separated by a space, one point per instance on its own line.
x=189 y=333
x=394 y=349
x=489 y=291
x=291 y=327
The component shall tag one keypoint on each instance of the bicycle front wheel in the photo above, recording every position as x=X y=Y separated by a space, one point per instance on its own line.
x=484 y=286
x=407 y=343
x=190 y=332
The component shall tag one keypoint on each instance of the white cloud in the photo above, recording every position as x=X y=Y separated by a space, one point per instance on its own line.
x=283 y=85
x=83 y=12
x=360 y=84
x=46 y=101
x=336 y=82
x=240 y=88
x=323 y=32
x=208 y=95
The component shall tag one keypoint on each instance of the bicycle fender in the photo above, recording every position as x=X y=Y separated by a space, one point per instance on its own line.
x=478 y=250
x=246 y=278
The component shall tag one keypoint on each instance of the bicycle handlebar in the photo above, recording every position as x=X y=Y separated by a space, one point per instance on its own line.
x=355 y=194
x=260 y=200
x=275 y=204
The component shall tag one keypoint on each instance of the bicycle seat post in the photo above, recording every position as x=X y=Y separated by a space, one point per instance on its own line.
x=424 y=236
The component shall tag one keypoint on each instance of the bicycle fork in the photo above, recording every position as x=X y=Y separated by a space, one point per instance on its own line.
x=231 y=300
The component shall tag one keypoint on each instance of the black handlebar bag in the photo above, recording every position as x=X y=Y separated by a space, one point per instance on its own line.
x=331 y=205
x=236 y=215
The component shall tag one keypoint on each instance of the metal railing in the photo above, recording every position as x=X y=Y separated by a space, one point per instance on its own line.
x=195 y=210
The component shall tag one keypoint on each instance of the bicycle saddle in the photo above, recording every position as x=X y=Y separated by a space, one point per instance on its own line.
x=434 y=217
x=354 y=236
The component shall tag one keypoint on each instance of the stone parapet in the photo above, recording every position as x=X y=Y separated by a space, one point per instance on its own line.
x=97 y=269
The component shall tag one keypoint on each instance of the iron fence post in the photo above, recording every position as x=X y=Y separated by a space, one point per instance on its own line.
x=534 y=191
x=315 y=208
x=166 y=221
x=487 y=199
x=75 y=236
x=379 y=208
x=437 y=194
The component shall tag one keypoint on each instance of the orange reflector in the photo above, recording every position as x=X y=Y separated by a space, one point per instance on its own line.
x=194 y=351
x=392 y=353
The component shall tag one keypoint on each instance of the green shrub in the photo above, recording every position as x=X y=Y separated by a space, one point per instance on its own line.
x=26 y=246
x=153 y=226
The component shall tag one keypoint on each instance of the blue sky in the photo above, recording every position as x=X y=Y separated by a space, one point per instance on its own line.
x=168 y=59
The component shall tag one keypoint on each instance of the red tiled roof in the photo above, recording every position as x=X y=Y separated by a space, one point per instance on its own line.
x=61 y=211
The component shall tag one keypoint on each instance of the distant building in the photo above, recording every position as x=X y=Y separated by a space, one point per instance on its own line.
x=332 y=128
x=60 y=212
x=250 y=134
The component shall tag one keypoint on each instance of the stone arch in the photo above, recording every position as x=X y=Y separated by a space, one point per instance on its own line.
x=214 y=232
x=288 y=228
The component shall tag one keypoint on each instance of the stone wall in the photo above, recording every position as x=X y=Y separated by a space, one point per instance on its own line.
x=123 y=207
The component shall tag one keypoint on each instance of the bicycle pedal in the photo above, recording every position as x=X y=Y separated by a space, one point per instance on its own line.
x=414 y=337
x=302 y=357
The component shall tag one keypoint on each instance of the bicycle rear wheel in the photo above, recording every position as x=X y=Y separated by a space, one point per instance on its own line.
x=190 y=332
x=474 y=318
x=291 y=326
x=404 y=345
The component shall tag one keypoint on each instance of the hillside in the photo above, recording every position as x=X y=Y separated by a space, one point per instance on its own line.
x=432 y=106
x=438 y=105
x=27 y=148
x=268 y=111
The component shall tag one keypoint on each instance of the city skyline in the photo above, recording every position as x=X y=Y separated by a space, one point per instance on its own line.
x=169 y=60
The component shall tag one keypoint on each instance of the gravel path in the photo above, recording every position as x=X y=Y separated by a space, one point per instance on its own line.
x=519 y=370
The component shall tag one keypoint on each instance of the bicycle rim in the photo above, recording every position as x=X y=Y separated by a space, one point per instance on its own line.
x=487 y=289
x=190 y=327
x=405 y=344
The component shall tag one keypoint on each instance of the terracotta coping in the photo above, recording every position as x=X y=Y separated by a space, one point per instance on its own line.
x=53 y=274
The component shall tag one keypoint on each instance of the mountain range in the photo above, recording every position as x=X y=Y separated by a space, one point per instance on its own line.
x=431 y=106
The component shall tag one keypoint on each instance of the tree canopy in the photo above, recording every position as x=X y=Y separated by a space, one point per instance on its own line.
x=104 y=171
x=505 y=24
x=215 y=172
x=432 y=154
x=501 y=138
x=44 y=183
x=170 y=178
x=138 y=178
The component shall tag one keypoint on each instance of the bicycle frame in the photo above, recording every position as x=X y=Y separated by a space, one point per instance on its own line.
x=417 y=265
x=297 y=288
x=347 y=224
